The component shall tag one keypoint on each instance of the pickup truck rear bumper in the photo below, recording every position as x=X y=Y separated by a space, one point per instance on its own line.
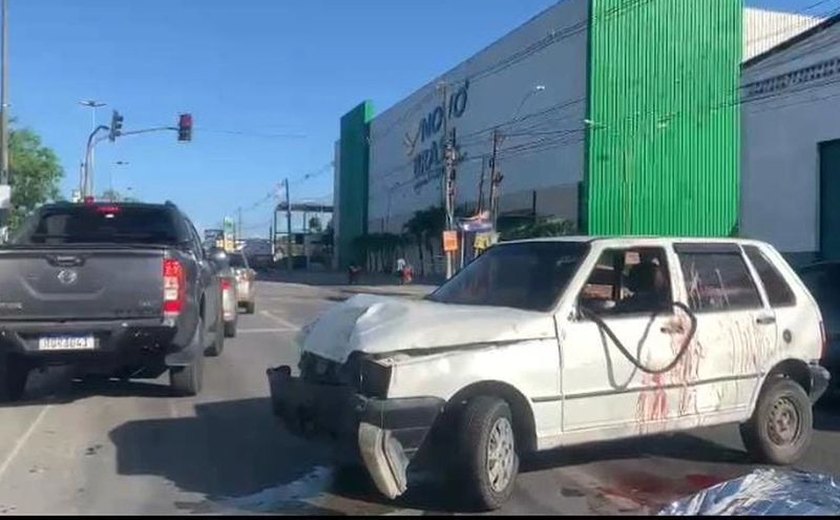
x=122 y=341
x=385 y=433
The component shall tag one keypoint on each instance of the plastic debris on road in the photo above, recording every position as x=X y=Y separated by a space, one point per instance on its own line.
x=765 y=492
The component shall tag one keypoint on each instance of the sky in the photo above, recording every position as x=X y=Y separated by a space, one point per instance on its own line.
x=265 y=80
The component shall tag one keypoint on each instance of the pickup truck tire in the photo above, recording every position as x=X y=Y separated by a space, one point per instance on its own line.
x=781 y=427
x=13 y=376
x=250 y=307
x=187 y=380
x=218 y=345
x=487 y=441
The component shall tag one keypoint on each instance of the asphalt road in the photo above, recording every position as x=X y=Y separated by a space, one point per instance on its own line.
x=129 y=448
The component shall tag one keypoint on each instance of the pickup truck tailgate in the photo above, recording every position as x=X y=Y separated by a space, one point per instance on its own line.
x=72 y=284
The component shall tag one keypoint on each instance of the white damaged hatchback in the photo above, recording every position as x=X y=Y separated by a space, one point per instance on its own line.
x=542 y=344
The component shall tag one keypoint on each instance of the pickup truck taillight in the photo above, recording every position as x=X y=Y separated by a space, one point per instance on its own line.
x=174 y=287
x=226 y=285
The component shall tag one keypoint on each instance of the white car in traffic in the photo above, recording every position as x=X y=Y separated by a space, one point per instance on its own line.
x=542 y=344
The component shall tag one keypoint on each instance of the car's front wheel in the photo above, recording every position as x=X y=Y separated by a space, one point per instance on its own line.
x=781 y=427
x=488 y=444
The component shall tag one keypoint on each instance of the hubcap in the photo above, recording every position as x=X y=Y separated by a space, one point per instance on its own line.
x=500 y=455
x=784 y=423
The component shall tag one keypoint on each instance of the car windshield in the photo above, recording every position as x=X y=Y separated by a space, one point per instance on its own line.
x=527 y=275
x=95 y=224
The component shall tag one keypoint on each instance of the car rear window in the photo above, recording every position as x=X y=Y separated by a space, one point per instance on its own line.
x=237 y=260
x=103 y=224
x=778 y=291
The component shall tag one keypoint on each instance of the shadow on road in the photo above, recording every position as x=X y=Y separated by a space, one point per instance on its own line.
x=678 y=446
x=233 y=452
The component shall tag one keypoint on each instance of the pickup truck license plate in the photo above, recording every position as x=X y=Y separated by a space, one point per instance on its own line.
x=67 y=343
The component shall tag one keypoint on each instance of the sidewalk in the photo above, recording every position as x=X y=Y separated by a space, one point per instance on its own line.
x=369 y=283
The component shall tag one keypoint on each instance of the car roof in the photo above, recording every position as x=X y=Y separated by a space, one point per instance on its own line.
x=630 y=239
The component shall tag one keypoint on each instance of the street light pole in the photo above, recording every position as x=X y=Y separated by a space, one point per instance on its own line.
x=89 y=158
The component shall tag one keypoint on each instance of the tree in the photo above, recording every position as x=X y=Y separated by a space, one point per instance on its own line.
x=315 y=224
x=115 y=196
x=540 y=229
x=35 y=173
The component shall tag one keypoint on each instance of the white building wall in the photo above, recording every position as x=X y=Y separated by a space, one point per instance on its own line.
x=785 y=117
x=543 y=150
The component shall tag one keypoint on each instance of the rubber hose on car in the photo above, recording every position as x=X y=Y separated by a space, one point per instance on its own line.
x=683 y=349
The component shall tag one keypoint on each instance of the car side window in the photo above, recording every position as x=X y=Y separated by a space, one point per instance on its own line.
x=778 y=291
x=627 y=282
x=718 y=281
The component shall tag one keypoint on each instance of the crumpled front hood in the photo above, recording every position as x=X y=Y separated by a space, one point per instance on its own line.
x=381 y=324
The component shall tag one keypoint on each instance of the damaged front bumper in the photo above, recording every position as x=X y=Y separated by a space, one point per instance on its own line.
x=386 y=432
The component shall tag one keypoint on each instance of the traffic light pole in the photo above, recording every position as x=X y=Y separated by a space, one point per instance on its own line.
x=87 y=184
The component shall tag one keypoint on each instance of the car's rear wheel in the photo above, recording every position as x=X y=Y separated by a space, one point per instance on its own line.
x=14 y=373
x=230 y=329
x=187 y=380
x=781 y=427
x=218 y=345
x=488 y=444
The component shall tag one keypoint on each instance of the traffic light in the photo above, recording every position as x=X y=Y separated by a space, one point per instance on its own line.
x=185 y=124
x=116 y=125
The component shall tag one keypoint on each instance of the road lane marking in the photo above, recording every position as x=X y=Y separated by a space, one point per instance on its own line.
x=266 y=331
x=280 y=320
x=22 y=440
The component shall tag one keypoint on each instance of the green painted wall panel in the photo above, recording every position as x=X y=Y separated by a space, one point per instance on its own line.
x=664 y=124
x=353 y=179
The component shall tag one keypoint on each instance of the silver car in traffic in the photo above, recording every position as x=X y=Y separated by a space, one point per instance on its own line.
x=245 y=281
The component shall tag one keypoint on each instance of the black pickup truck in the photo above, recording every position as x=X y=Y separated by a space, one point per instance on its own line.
x=122 y=290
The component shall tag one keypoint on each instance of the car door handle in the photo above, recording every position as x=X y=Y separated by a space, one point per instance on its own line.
x=766 y=320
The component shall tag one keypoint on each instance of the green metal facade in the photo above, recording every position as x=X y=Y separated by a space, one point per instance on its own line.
x=663 y=153
x=353 y=179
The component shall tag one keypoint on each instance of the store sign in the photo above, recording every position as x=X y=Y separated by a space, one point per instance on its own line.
x=450 y=241
x=428 y=162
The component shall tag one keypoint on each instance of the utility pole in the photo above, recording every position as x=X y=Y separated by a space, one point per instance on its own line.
x=5 y=180
x=495 y=178
x=239 y=223
x=288 y=225
x=481 y=186
x=448 y=177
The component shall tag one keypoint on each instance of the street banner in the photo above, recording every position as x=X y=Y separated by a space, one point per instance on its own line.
x=450 y=241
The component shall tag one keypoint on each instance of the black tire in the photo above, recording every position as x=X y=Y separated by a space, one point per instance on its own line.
x=480 y=418
x=250 y=307
x=218 y=346
x=230 y=329
x=13 y=376
x=187 y=381
x=784 y=404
